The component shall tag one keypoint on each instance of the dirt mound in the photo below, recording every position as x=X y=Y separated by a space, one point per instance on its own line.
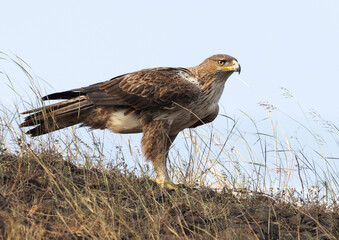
x=42 y=196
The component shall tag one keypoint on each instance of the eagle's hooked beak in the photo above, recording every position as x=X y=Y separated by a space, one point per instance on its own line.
x=235 y=67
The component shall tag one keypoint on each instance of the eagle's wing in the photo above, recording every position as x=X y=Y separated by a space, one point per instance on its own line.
x=141 y=90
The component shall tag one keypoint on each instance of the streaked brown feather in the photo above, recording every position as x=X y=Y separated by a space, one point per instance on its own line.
x=150 y=88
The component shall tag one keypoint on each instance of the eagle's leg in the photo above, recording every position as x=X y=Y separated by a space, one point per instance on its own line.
x=156 y=142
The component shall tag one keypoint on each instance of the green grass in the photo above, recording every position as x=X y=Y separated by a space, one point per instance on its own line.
x=239 y=184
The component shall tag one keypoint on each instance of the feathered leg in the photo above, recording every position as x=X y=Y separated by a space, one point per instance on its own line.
x=156 y=142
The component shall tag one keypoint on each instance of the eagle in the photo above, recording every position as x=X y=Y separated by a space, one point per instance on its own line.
x=157 y=102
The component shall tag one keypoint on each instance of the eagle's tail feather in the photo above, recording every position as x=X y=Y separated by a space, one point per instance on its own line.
x=57 y=116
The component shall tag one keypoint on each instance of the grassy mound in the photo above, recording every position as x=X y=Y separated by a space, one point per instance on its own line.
x=44 y=196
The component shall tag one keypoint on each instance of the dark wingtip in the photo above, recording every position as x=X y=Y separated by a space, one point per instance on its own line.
x=63 y=95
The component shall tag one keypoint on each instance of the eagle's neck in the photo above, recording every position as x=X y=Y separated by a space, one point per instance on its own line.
x=208 y=79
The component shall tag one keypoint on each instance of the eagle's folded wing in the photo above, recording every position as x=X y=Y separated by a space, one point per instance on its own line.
x=148 y=88
x=141 y=90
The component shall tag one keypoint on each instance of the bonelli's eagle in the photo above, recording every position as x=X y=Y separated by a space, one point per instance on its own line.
x=159 y=102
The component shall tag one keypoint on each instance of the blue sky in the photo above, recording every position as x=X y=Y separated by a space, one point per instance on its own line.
x=290 y=44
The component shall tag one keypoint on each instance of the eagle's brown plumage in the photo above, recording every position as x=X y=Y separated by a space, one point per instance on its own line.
x=158 y=102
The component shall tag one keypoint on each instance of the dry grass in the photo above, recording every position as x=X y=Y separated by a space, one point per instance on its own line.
x=44 y=196
x=62 y=188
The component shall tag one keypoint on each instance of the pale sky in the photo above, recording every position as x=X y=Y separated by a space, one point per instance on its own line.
x=290 y=44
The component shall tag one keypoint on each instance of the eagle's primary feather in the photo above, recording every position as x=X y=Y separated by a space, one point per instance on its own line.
x=159 y=102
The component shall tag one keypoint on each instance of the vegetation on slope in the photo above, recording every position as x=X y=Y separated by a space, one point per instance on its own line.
x=44 y=196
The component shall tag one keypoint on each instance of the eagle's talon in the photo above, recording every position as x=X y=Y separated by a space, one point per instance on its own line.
x=166 y=184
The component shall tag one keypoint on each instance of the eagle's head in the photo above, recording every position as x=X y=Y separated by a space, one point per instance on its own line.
x=221 y=63
x=216 y=68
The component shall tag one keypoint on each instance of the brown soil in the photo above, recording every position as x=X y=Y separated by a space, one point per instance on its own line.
x=43 y=196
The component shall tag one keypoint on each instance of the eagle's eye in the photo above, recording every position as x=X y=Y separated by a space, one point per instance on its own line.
x=221 y=62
